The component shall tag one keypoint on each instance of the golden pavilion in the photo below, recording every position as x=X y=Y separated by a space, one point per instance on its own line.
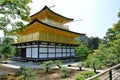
x=47 y=37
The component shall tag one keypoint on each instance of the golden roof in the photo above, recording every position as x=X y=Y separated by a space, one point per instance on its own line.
x=48 y=13
x=37 y=25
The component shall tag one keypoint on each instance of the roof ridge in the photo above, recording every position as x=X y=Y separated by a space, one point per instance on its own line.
x=45 y=7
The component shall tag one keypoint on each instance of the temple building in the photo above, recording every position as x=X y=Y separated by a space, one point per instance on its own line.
x=47 y=37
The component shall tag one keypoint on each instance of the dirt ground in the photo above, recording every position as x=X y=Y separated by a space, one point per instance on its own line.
x=6 y=70
x=53 y=74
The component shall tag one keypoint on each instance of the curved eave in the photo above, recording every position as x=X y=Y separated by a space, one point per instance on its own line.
x=54 y=13
x=79 y=34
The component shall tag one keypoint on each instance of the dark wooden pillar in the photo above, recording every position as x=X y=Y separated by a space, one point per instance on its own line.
x=38 y=49
x=31 y=50
x=16 y=51
x=70 y=54
x=47 y=50
x=110 y=74
x=62 y=50
x=20 y=50
x=66 y=50
x=55 y=50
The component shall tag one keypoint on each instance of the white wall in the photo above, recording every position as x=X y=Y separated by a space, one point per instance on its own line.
x=64 y=54
x=72 y=50
x=64 y=50
x=51 y=55
x=58 y=50
x=68 y=54
x=34 y=52
x=43 y=50
x=42 y=55
x=72 y=54
x=58 y=55
x=28 y=52
x=52 y=50
x=68 y=50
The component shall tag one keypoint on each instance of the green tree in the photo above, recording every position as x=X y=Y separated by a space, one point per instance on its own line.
x=82 y=51
x=47 y=65
x=80 y=65
x=64 y=71
x=113 y=33
x=27 y=73
x=93 y=63
x=5 y=47
x=109 y=53
x=113 y=38
x=115 y=49
x=58 y=63
x=83 y=40
x=13 y=13
x=102 y=53
x=91 y=42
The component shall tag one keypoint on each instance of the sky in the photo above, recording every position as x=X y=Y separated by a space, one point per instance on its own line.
x=97 y=16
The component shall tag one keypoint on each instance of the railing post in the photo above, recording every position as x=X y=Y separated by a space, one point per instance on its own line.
x=110 y=74
x=108 y=71
x=94 y=66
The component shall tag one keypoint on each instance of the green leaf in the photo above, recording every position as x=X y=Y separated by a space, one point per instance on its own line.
x=12 y=1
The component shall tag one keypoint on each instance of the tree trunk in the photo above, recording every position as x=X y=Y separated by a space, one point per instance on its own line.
x=59 y=66
x=47 y=70
x=80 y=68
x=65 y=75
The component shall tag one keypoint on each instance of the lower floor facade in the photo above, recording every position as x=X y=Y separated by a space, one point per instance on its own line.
x=45 y=50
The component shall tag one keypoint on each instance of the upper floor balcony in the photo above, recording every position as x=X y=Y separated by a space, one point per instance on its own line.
x=55 y=24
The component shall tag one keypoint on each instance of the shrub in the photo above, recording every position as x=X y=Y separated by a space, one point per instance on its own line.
x=64 y=71
x=80 y=77
x=87 y=74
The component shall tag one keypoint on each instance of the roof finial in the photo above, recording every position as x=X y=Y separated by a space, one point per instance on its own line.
x=52 y=6
x=76 y=20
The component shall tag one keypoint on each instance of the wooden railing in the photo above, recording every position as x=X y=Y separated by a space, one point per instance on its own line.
x=55 y=24
x=108 y=74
